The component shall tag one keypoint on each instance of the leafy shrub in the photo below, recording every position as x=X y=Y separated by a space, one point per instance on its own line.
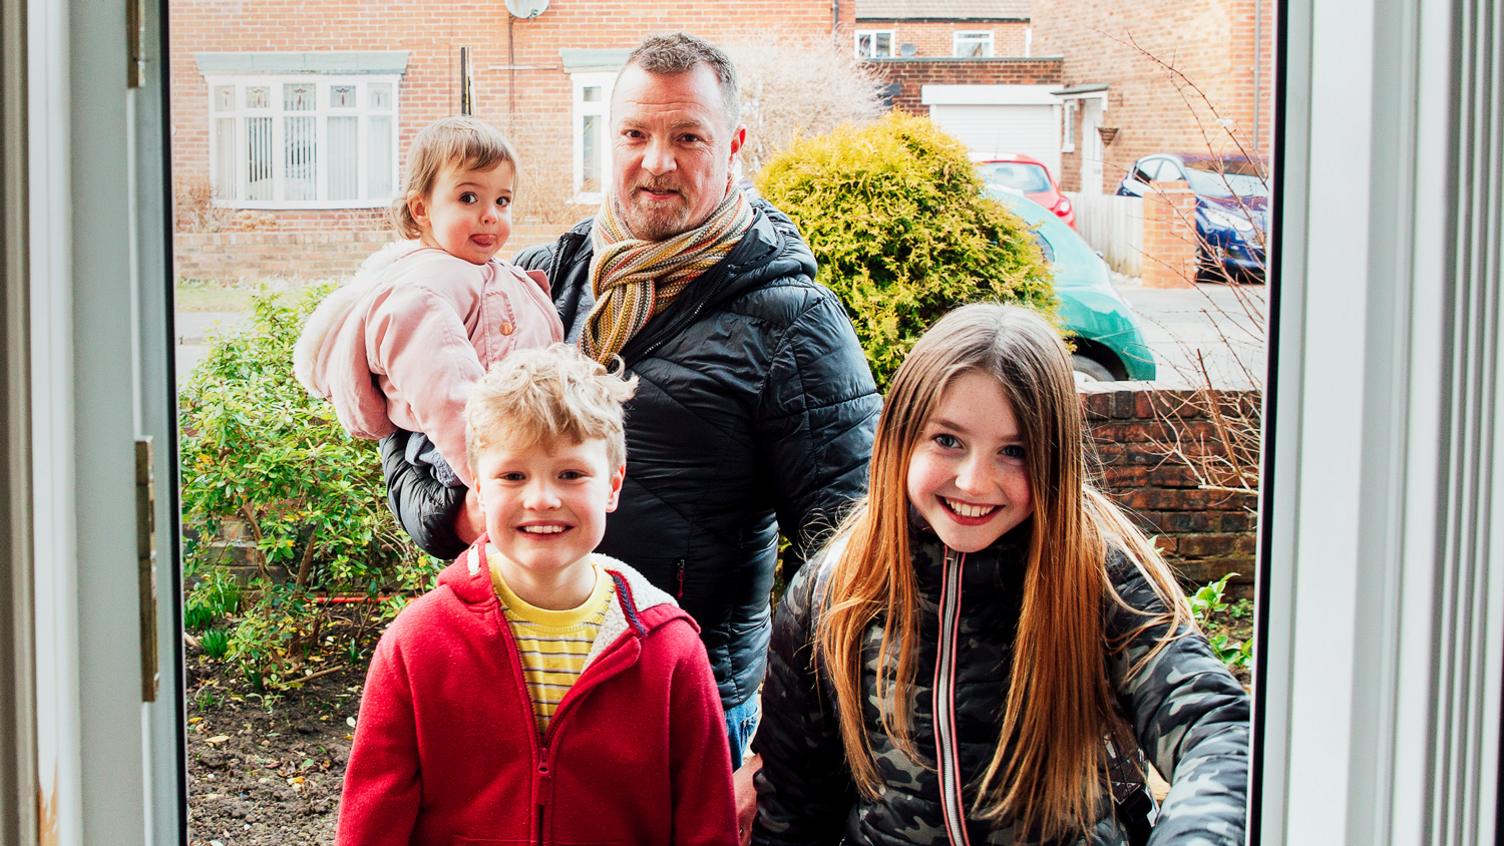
x=257 y=448
x=895 y=215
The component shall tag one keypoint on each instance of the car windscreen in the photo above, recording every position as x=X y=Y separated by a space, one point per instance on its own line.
x=1212 y=184
x=1020 y=176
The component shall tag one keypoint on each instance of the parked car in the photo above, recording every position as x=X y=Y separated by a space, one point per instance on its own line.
x=1109 y=344
x=1232 y=209
x=1028 y=175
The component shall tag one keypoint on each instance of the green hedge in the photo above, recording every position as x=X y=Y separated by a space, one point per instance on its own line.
x=895 y=215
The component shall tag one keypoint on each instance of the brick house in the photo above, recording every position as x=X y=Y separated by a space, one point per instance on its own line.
x=1128 y=70
x=1085 y=87
x=289 y=119
x=929 y=29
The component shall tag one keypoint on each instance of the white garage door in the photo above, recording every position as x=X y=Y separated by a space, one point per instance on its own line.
x=1033 y=130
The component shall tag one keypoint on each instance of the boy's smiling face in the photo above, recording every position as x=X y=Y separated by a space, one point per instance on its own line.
x=546 y=504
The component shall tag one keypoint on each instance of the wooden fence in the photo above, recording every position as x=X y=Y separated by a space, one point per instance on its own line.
x=1113 y=226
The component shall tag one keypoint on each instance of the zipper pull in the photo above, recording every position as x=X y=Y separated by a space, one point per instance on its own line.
x=679 y=578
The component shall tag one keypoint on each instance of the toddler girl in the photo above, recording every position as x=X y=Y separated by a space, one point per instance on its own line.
x=401 y=345
x=983 y=649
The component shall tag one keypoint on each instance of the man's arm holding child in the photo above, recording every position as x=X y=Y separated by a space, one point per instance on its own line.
x=379 y=804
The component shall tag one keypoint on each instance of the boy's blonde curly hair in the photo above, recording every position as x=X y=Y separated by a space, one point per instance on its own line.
x=545 y=396
x=456 y=141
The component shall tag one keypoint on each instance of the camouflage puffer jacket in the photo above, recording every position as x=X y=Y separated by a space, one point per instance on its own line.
x=1189 y=714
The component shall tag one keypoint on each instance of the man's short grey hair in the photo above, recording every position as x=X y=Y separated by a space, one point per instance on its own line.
x=679 y=52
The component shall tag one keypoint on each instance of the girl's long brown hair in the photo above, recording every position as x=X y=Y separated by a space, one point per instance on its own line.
x=1046 y=772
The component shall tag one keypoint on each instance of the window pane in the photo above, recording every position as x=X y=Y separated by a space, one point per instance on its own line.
x=592 y=94
x=298 y=158
x=379 y=163
x=342 y=96
x=380 y=95
x=344 y=157
x=257 y=96
x=258 y=142
x=864 y=44
x=224 y=98
x=590 y=151
x=225 y=159
x=298 y=97
x=883 y=44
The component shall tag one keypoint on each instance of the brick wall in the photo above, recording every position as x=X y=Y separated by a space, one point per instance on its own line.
x=1204 y=533
x=301 y=254
x=1224 y=47
x=520 y=83
x=913 y=74
x=932 y=39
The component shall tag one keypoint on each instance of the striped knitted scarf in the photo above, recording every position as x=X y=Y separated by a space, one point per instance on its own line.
x=635 y=279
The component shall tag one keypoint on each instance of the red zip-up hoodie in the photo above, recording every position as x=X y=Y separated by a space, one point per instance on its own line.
x=447 y=752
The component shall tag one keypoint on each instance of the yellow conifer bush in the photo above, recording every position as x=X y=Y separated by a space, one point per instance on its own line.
x=895 y=215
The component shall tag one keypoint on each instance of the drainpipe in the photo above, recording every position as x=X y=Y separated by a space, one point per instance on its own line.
x=835 y=17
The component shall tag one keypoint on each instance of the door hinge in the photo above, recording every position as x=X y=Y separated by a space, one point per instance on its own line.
x=146 y=566
x=135 y=39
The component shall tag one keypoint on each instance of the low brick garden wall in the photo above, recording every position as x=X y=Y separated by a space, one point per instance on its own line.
x=1204 y=532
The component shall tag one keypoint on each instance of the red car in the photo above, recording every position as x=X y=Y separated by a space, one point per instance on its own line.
x=1028 y=175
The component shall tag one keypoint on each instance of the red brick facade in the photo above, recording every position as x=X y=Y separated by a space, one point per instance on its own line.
x=913 y=74
x=1147 y=55
x=934 y=38
x=520 y=82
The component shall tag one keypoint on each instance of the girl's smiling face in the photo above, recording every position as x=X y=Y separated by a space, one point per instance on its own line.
x=968 y=475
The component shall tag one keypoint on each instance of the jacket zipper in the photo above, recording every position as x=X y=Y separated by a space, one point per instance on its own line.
x=952 y=805
x=679 y=574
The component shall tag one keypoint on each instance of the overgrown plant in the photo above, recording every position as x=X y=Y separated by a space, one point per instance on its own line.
x=1215 y=617
x=257 y=449
x=895 y=215
x=795 y=87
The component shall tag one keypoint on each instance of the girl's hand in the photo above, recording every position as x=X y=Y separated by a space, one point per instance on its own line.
x=746 y=798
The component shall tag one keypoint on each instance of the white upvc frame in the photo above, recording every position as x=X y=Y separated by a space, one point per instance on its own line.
x=321 y=113
x=984 y=37
x=602 y=82
x=1068 y=125
x=872 y=52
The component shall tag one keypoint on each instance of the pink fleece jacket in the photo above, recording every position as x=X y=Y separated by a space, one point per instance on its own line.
x=401 y=345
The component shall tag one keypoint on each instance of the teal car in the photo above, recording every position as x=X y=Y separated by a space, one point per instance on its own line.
x=1109 y=345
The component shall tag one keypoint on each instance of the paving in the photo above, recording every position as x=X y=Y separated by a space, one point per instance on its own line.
x=1212 y=331
x=1215 y=327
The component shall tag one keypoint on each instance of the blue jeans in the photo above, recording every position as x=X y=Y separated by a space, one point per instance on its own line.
x=741 y=724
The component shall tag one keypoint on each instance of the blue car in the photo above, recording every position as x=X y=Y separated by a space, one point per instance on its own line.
x=1109 y=345
x=1232 y=209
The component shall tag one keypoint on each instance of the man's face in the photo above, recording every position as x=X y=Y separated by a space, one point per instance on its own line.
x=672 y=149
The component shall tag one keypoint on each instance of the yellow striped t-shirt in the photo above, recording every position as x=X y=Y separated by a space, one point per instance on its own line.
x=553 y=644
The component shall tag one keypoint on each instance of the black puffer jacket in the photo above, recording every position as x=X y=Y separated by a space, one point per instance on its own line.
x=1187 y=712
x=754 y=411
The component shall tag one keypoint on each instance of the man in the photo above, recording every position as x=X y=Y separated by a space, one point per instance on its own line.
x=755 y=408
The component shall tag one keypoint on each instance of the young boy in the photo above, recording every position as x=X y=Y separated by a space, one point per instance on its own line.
x=542 y=693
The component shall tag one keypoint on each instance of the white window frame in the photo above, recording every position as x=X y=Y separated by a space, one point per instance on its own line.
x=984 y=37
x=1068 y=126
x=872 y=35
x=579 y=81
x=235 y=195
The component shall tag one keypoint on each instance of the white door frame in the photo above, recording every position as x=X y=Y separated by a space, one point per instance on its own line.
x=99 y=322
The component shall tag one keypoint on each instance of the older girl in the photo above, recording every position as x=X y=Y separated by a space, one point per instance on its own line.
x=986 y=645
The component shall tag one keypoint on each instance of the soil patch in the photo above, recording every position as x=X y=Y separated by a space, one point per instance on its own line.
x=265 y=769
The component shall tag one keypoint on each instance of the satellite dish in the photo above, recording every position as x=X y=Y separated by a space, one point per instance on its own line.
x=527 y=8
